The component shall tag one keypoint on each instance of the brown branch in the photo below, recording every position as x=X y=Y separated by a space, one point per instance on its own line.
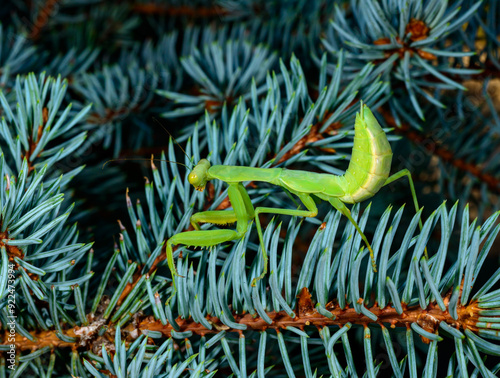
x=441 y=151
x=42 y=18
x=186 y=11
x=306 y=315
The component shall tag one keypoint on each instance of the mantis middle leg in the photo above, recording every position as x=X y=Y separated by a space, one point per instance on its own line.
x=242 y=212
x=311 y=211
x=398 y=175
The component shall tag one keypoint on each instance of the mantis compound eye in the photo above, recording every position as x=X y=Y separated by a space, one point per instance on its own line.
x=193 y=178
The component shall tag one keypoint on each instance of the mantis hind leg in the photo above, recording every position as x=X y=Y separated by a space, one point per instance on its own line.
x=398 y=175
x=340 y=206
x=311 y=211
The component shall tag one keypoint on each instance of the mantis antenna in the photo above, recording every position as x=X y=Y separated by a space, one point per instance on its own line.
x=171 y=136
x=152 y=159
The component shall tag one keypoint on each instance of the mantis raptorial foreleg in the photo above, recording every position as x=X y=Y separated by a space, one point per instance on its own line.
x=237 y=193
x=311 y=211
x=207 y=238
x=214 y=217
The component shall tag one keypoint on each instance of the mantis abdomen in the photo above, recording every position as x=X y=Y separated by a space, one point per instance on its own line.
x=370 y=162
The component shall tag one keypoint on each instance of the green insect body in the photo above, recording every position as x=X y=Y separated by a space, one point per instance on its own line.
x=368 y=171
x=370 y=163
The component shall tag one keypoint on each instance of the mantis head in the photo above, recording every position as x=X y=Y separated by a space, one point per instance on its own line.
x=198 y=176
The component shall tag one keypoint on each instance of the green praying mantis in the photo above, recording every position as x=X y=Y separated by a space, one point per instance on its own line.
x=368 y=171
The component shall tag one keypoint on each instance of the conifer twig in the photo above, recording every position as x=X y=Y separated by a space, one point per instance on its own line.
x=42 y=18
x=442 y=152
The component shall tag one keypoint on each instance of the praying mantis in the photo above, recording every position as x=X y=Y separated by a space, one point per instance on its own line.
x=368 y=171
